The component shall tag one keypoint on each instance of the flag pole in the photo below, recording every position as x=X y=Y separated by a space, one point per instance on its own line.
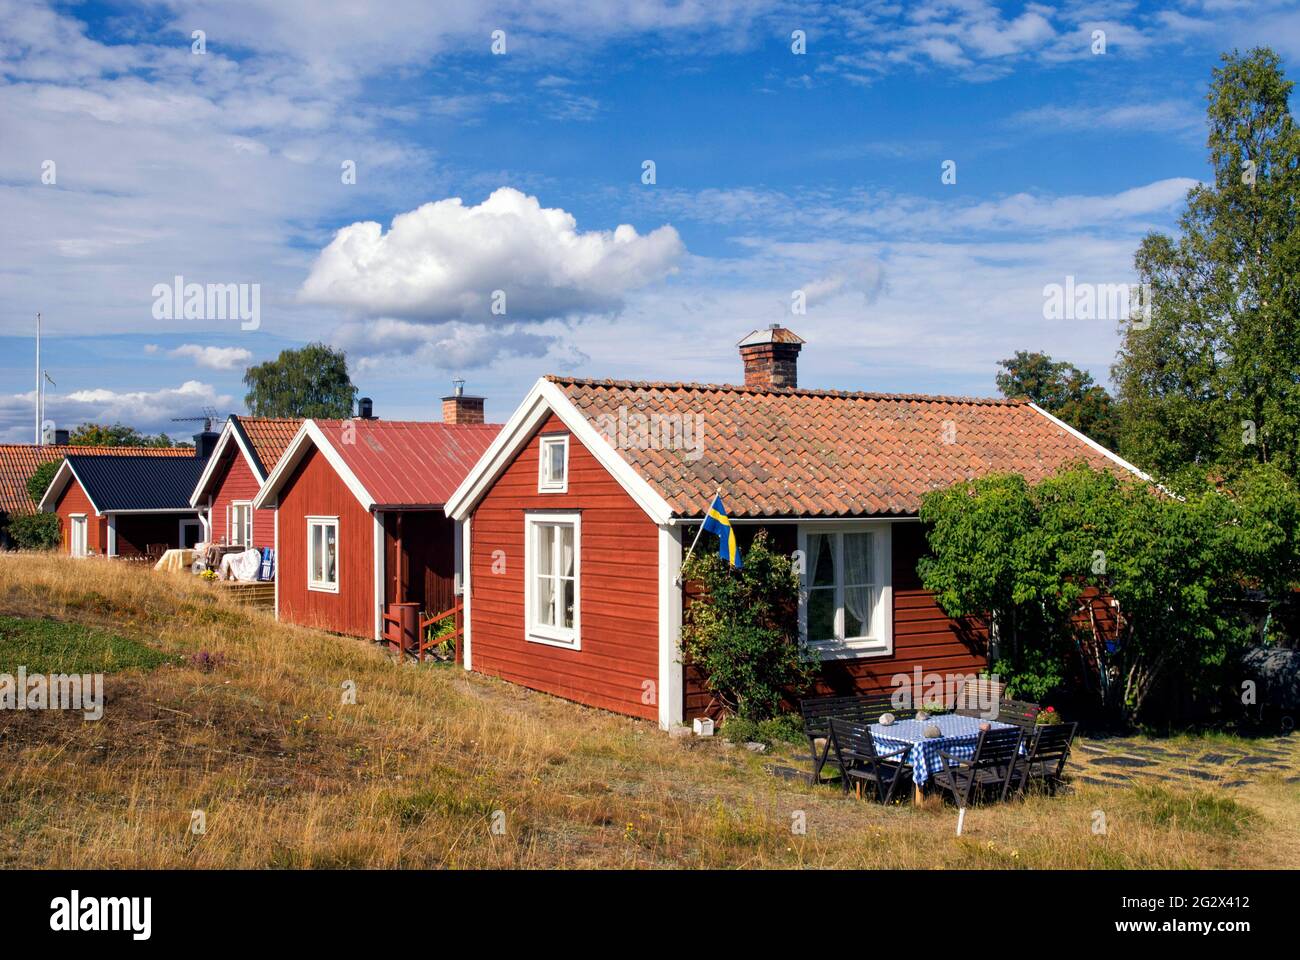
x=678 y=579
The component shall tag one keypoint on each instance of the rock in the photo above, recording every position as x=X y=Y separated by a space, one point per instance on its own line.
x=1122 y=761
x=886 y=719
x=753 y=746
x=932 y=731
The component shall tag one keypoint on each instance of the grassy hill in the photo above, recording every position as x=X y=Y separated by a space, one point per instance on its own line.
x=217 y=709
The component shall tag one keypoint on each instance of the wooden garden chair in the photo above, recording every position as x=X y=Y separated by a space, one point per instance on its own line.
x=995 y=761
x=819 y=711
x=1044 y=761
x=855 y=752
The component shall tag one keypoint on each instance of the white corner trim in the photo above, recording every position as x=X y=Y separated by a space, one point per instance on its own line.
x=467 y=651
x=309 y=434
x=543 y=399
x=669 y=692
x=378 y=585
x=1093 y=443
x=111 y=547
x=276 y=581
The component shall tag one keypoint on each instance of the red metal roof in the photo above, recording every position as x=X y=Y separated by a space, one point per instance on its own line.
x=18 y=461
x=782 y=452
x=409 y=463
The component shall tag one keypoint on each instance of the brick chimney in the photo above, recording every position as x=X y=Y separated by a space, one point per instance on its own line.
x=461 y=408
x=771 y=357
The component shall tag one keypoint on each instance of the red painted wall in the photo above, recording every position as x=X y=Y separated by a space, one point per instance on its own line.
x=74 y=500
x=235 y=480
x=617 y=592
x=314 y=489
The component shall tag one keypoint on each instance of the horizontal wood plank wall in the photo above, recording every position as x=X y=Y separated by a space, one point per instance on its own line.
x=618 y=592
x=74 y=500
x=924 y=635
x=314 y=489
x=235 y=480
x=135 y=531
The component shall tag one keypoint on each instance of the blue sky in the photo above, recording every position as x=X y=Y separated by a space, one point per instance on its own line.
x=774 y=172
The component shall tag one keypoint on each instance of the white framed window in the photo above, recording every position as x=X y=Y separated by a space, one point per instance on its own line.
x=846 y=597
x=77 y=534
x=553 y=464
x=552 y=564
x=239 y=524
x=323 y=554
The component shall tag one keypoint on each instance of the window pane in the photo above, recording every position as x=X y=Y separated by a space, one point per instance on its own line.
x=546 y=601
x=555 y=465
x=568 y=604
x=331 y=553
x=545 y=549
x=858 y=566
x=566 y=550
x=821 y=559
x=821 y=615
x=857 y=611
x=316 y=549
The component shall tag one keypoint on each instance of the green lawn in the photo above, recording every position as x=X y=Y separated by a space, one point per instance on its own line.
x=53 y=646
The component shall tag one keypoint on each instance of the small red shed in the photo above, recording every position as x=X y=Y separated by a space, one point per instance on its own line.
x=359 y=519
x=246 y=452
x=575 y=522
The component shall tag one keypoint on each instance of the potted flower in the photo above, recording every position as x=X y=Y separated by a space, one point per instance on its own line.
x=1047 y=717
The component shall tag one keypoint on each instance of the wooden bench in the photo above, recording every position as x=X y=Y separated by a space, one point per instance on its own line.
x=819 y=711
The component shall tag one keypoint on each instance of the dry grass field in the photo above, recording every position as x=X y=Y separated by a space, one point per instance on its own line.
x=414 y=773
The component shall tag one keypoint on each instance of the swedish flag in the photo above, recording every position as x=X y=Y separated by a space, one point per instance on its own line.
x=717 y=521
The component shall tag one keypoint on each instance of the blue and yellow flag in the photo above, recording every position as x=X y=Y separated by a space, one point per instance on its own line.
x=717 y=521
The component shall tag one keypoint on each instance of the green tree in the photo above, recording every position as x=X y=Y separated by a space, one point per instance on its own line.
x=115 y=435
x=1064 y=391
x=1212 y=379
x=40 y=479
x=311 y=382
x=34 y=531
x=743 y=632
x=1173 y=574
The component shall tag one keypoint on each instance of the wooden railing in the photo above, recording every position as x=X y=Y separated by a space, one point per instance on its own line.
x=392 y=629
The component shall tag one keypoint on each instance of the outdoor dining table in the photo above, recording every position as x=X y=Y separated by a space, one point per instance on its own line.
x=959 y=735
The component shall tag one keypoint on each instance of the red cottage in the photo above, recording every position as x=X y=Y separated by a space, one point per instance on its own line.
x=246 y=453
x=575 y=519
x=359 y=519
x=127 y=505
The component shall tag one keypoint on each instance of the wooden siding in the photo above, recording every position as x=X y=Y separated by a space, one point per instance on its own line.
x=235 y=480
x=427 y=566
x=924 y=636
x=617 y=593
x=314 y=489
x=74 y=500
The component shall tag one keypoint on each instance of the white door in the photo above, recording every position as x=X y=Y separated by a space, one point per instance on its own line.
x=78 y=536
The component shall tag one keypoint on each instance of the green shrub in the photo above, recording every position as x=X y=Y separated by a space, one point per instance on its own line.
x=743 y=632
x=34 y=531
x=784 y=728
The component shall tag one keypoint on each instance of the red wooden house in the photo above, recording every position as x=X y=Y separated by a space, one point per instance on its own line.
x=359 y=521
x=574 y=523
x=127 y=505
x=246 y=453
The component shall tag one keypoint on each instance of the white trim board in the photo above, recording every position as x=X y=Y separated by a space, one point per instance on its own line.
x=669 y=694
x=309 y=433
x=210 y=467
x=62 y=477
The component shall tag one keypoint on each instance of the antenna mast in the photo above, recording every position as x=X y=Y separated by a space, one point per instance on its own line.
x=39 y=383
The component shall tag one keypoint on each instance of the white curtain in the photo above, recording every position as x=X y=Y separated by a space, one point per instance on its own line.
x=859 y=578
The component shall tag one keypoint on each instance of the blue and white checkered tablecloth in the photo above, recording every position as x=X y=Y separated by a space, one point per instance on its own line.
x=958 y=740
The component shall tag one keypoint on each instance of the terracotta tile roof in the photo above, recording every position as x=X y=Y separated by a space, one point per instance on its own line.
x=269 y=436
x=18 y=461
x=820 y=452
x=410 y=463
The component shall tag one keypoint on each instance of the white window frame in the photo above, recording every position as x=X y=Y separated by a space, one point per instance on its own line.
x=547 y=484
x=78 y=521
x=880 y=641
x=246 y=534
x=534 y=632
x=322 y=586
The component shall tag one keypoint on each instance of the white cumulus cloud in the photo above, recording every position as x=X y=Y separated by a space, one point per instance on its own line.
x=445 y=261
x=214 y=358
